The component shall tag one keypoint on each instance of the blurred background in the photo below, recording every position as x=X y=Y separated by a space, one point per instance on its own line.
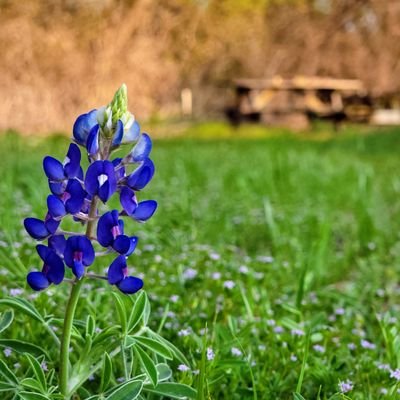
x=61 y=57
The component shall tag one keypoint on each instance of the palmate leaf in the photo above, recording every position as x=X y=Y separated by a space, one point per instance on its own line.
x=121 y=309
x=151 y=344
x=106 y=373
x=32 y=396
x=172 y=390
x=7 y=374
x=6 y=320
x=148 y=364
x=127 y=391
x=6 y=387
x=137 y=311
x=38 y=371
x=173 y=349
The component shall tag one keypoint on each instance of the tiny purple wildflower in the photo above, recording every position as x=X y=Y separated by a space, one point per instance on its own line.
x=395 y=374
x=210 y=354
x=7 y=352
x=183 y=368
x=346 y=386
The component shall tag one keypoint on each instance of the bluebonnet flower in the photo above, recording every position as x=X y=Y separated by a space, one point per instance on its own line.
x=71 y=168
x=110 y=233
x=118 y=275
x=141 y=211
x=75 y=194
x=100 y=179
x=78 y=254
x=39 y=229
x=70 y=202
x=52 y=271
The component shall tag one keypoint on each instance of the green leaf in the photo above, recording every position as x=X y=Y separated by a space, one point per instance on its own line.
x=31 y=383
x=7 y=373
x=298 y=396
x=32 y=396
x=148 y=364
x=90 y=326
x=121 y=312
x=23 y=347
x=147 y=311
x=173 y=390
x=6 y=387
x=127 y=391
x=151 y=344
x=106 y=373
x=164 y=372
x=174 y=350
x=24 y=306
x=137 y=311
x=38 y=371
x=6 y=320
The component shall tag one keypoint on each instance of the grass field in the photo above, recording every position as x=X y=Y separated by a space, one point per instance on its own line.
x=285 y=250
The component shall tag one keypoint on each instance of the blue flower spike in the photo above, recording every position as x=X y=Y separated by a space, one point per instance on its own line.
x=75 y=194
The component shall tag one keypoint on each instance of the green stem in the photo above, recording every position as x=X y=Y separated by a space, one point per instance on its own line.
x=70 y=313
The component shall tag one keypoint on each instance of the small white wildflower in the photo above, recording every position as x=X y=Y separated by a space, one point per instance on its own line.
x=183 y=368
x=229 y=285
x=236 y=352
x=184 y=332
x=7 y=352
x=210 y=354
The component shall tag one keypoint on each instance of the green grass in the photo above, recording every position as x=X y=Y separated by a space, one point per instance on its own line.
x=306 y=228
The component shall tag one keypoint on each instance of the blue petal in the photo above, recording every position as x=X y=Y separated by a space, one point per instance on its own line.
x=122 y=244
x=51 y=224
x=85 y=245
x=120 y=173
x=36 y=228
x=37 y=280
x=128 y=200
x=133 y=244
x=116 y=270
x=132 y=134
x=141 y=176
x=144 y=210
x=130 y=285
x=78 y=269
x=57 y=243
x=53 y=169
x=74 y=204
x=56 y=206
x=83 y=125
x=57 y=188
x=43 y=251
x=105 y=191
x=142 y=149
x=91 y=179
x=55 y=273
x=119 y=132
x=70 y=247
x=92 y=144
x=73 y=166
x=104 y=226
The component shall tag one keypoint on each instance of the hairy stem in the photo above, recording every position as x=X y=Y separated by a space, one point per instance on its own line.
x=70 y=313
